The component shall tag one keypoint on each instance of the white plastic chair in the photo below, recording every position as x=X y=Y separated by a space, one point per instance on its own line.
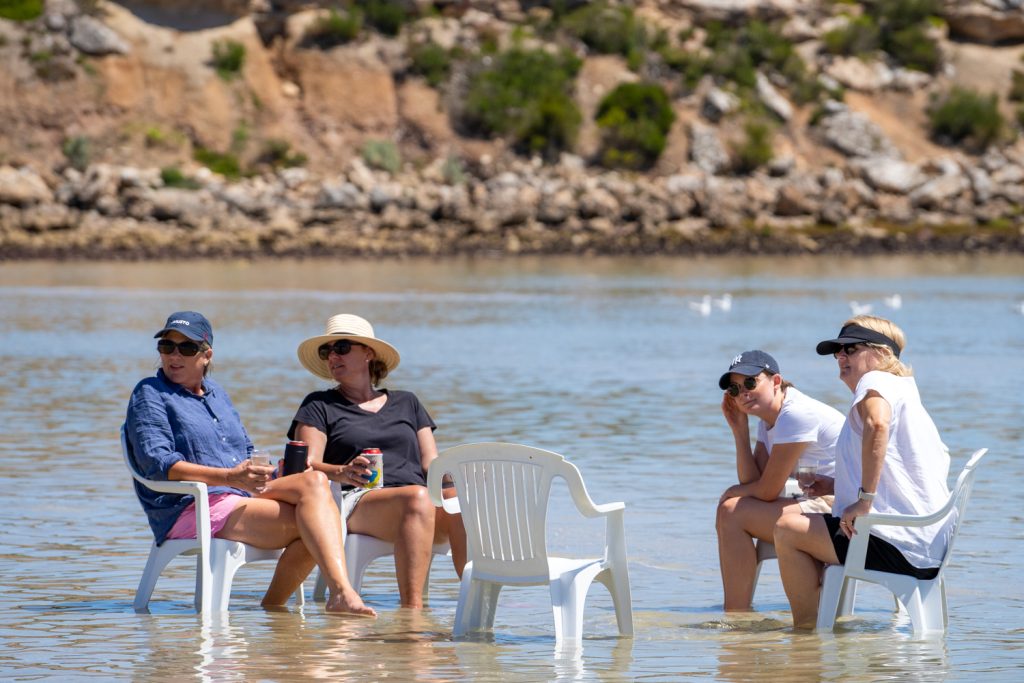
x=766 y=549
x=217 y=559
x=924 y=600
x=503 y=494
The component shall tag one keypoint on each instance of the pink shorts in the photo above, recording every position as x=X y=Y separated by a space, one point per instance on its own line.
x=221 y=507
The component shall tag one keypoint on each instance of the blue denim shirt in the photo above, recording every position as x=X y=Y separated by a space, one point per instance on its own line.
x=167 y=423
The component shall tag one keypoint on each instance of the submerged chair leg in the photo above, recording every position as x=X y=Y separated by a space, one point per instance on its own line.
x=617 y=583
x=831 y=594
x=154 y=567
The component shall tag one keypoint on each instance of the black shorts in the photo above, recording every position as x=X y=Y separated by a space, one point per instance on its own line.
x=882 y=556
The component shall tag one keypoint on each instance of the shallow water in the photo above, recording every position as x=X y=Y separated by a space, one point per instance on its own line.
x=602 y=360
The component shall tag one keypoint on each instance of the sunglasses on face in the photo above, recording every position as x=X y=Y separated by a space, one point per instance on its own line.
x=340 y=347
x=185 y=348
x=847 y=350
x=749 y=384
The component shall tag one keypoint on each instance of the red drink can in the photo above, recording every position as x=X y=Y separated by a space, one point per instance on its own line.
x=376 y=467
x=295 y=457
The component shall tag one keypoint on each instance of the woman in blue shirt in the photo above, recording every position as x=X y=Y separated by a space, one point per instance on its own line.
x=181 y=425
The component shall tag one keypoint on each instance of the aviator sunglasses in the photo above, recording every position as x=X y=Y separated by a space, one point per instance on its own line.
x=185 y=348
x=749 y=384
x=340 y=347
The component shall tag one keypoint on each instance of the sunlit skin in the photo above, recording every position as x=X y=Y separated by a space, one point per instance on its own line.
x=749 y=510
x=403 y=515
x=802 y=541
x=296 y=513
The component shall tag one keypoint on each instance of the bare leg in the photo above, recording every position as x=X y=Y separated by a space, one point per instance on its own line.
x=449 y=527
x=738 y=522
x=298 y=508
x=403 y=515
x=803 y=544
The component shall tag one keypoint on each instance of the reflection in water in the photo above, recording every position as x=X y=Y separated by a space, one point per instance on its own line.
x=602 y=361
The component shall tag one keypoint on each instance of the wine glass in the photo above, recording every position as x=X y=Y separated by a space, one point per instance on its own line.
x=806 y=473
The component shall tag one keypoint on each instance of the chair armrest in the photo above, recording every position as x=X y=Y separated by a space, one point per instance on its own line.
x=873 y=519
x=607 y=508
x=195 y=488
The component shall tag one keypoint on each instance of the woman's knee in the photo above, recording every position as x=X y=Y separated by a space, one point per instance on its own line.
x=726 y=515
x=418 y=503
x=315 y=483
x=788 y=530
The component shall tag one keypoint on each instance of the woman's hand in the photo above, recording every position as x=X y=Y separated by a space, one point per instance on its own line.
x=850 y=515
x=822 y=486
x=249 y=477
x=734 y=417
x=353 y=473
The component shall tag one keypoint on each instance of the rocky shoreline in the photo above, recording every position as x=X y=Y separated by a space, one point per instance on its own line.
x=876 y=205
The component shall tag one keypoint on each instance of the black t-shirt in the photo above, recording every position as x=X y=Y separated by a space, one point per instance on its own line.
x=350 y=429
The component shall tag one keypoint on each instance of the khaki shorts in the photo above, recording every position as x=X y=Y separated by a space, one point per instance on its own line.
x=817 y=504
x=348 y=499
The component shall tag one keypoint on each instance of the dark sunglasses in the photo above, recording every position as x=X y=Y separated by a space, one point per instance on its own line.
x=847 y=350
x=340 y=347
x=185 y=348
x=749 y=384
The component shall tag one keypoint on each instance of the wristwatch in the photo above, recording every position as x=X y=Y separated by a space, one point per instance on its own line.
x=864 y=495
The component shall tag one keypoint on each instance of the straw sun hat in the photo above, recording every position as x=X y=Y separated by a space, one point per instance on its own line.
x=345 y=326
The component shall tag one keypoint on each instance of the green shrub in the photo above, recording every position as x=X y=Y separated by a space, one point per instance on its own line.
x=860 y=37
x=634 y=119
x=1016 y=93
x=755 y=150
x=431 y=61
x=966 y=117
x=278 y=154
x=173 y=177
x=386 y=16
x=21 y=10
x=453 y=170
x=899 y=27
x=228 y=58
x=912 y=48
x=334 y=29
x=526 y=95
x=382 y=154
x=609 y=30
x=226 y=164
x=78 y=151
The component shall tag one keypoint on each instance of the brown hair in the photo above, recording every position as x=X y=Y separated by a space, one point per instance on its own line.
x=378 y=371
x=889 y=363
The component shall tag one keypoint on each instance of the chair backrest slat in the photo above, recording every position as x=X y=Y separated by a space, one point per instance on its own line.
x=959 y=497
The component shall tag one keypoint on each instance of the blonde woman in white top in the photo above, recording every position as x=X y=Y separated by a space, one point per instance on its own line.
x=889 y=459
x=792 y=427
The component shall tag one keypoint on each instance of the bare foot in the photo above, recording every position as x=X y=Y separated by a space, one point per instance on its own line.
x=349 y=602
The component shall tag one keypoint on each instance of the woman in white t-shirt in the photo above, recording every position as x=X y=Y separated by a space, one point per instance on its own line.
x=792 y=428
x=889 y=459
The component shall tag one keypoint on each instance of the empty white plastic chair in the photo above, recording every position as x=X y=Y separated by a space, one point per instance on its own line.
x=217 y=559
x=924 y=600
x=503 y=494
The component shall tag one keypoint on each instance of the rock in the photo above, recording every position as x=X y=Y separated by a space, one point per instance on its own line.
x=857 y=74
x=46 y=217
x=891 y=175
x=855 y=135
x=94 y=38
x=981 y=184
x=707 y=150
x=773 y=99
x=909 y=80
x=598 y=202
x=733 y=11
x=187 y=206
x=23 y=187
x=55 y=21
x=340 y=195
x=992 y=22
x=718 y=104
x=940 y=192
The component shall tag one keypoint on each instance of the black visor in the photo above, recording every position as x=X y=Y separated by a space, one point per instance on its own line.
x=855 y=334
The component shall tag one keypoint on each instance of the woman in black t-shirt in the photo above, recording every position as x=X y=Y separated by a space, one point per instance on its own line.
x=339 y=423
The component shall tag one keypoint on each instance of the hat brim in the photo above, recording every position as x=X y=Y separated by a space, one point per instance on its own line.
x=747 y=370
x=310 y=358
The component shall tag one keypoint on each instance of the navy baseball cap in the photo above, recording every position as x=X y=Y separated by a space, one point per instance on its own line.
x=749 y=363
x=193 y=325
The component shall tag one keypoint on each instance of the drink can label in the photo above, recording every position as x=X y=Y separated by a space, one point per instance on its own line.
x=376 y=467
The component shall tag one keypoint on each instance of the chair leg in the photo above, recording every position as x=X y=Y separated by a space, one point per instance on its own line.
x=463 y=608
x=224 y=565
x=155 y=564
x=832 y=585
x=847 y=598
x=925 y=606
x=320 y=589
x=568 y=597
x=617 y=583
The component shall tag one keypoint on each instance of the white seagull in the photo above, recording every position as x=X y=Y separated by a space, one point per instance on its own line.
x=725 y=303
x=859 y=308
x=703 y=306
x=895 y=302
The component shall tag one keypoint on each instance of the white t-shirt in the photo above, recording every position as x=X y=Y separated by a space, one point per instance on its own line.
x=914 y=472
x=803 y=419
